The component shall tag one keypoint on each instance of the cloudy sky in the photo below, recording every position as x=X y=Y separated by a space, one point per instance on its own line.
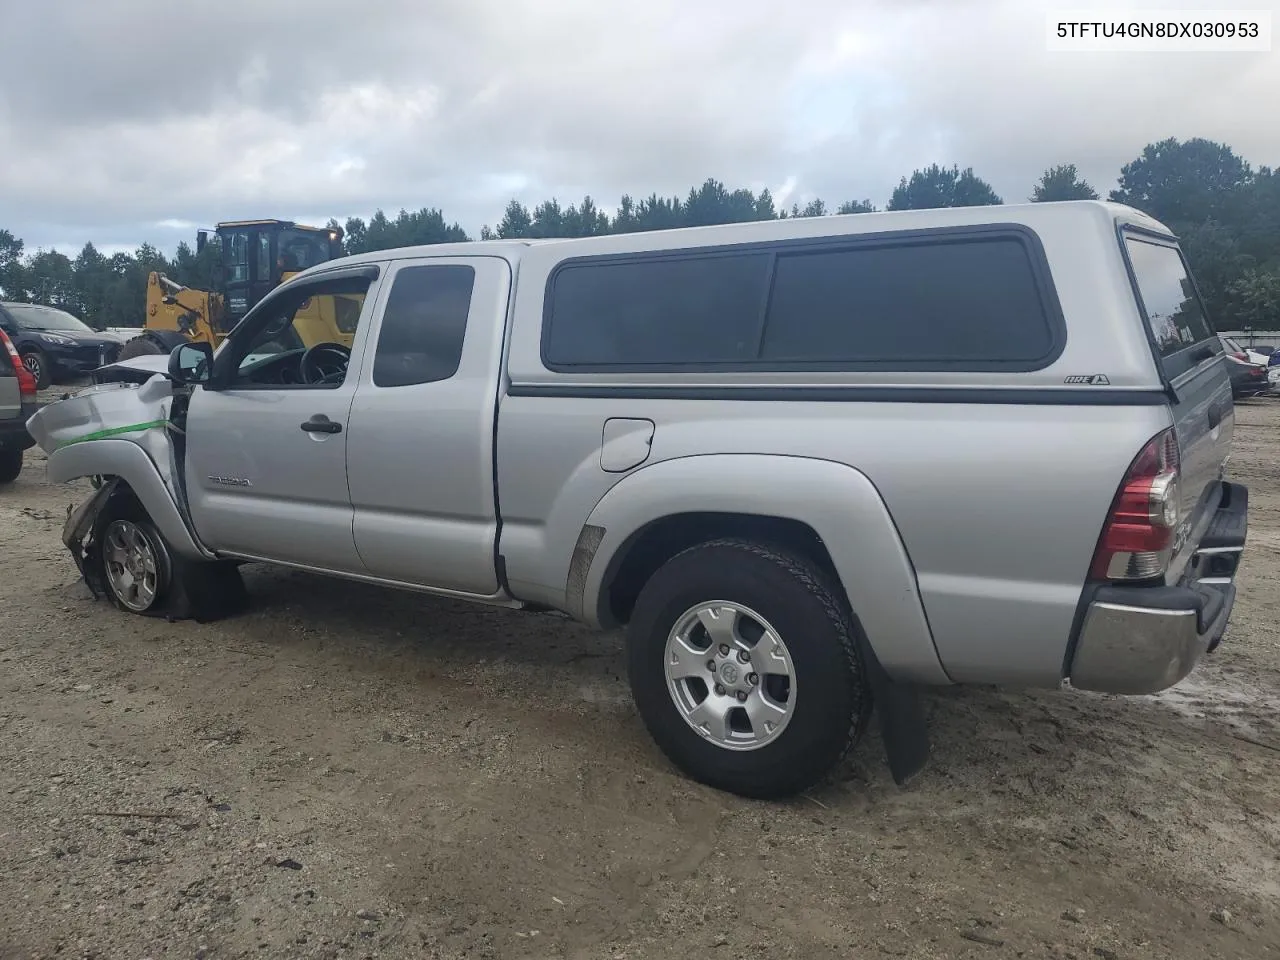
x=130 y=120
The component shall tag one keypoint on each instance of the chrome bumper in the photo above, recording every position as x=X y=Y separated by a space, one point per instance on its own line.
x=1138 y=640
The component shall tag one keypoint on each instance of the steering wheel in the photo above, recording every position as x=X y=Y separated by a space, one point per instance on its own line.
x=324 y=363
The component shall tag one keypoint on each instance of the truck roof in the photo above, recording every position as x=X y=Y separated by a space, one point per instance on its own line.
x=1079 y=212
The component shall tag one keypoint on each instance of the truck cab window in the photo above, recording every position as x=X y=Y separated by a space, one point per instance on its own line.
x=424 y=325
x=300 y=341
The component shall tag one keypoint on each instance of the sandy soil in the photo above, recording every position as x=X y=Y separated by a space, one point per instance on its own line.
x=438 y=780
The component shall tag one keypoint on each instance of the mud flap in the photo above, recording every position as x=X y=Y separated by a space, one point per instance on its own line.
x=903 y=726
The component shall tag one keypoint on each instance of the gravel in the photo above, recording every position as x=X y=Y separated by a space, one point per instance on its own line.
x=349 y=772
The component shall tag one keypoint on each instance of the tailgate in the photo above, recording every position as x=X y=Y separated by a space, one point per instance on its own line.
x=1191 y=359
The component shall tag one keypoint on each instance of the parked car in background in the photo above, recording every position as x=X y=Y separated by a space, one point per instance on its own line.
x=54 y=345
x=1248 y=377
x=17 y=403
x=1250 y=354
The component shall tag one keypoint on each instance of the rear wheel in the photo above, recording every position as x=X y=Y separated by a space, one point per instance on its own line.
x=10 y=465
x=745 y=668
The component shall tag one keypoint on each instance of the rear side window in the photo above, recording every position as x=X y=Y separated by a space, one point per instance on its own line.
x=973 y=303
x=424 y=325
x=676 y=310
x=1169 y=303
x=964 y=303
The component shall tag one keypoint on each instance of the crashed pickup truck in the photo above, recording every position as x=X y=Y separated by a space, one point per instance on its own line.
x=812 y=466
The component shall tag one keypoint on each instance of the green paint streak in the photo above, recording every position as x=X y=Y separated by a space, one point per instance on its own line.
x=114 y=432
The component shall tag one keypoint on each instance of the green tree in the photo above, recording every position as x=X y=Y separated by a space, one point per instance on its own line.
x=92 y=276
x=1183 y=182
x=856 y=206
x=627 y=219
x=1062 y=183
x=585 y=220
x=12 y=281
x=937 y=186
x=660 y=213
x=1253 y=300
x=1216 y=259
x=548 y=220
x=419 y=228
x=516 y=222
x=50 y=279
x=1255 y=217
x=353 y=235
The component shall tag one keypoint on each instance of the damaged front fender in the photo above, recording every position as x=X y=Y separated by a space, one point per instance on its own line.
x=77 y=535
x=124 y=432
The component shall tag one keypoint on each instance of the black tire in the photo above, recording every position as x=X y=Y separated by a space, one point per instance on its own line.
x=10 y=465
x=200 y=590
x=832 y=702
x=140 y=347
x=128 y=509
x=34 y=360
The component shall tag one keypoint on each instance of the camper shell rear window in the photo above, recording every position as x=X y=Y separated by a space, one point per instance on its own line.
x=1170 y=304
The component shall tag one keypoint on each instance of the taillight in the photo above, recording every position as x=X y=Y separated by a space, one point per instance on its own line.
x=27 y=386
x=1137 y=540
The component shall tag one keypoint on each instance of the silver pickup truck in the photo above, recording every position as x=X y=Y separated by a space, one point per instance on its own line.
x=810 y=465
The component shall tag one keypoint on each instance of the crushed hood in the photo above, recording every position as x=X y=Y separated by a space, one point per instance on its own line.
x=122 y=410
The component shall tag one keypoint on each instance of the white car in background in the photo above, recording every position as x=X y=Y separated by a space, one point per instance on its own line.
x=1252 y=356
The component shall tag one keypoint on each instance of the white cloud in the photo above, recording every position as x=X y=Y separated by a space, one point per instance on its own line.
x=138 y=118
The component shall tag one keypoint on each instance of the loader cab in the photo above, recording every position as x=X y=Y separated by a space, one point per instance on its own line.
x=258 y=255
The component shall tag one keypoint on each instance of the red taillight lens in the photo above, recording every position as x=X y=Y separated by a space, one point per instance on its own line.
x=1137 y=540
x=27 y=386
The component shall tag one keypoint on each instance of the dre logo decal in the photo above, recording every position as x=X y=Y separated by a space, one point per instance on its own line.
x=1093 y=379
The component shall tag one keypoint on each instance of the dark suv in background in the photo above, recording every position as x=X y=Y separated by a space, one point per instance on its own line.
x=54 y=345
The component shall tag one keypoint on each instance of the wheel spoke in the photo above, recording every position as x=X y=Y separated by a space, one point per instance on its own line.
x=712 y=717
x=769 y=657
x=719 y=622
x=683 y=661
x=764 y=714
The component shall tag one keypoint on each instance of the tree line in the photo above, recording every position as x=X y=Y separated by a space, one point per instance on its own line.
x=1226 y=214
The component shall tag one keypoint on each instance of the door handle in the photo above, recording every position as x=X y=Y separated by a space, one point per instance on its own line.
x=319 y=423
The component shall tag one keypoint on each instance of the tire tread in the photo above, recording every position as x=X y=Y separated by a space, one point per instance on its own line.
x=816 y=583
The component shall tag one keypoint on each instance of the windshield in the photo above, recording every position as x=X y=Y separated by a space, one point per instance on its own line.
x=29 y=316
x=300 y=249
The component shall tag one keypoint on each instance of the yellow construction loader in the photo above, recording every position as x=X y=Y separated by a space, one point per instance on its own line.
x=257 y=256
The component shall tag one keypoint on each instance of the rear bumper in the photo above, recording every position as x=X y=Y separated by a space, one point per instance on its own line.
x=13 y=432
x=1137 y=640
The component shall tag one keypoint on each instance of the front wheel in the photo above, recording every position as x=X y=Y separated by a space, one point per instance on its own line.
x=36 y=364
x=137 y=566
x=745 y=668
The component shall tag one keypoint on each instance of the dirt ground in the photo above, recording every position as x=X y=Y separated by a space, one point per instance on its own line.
x=350 y=772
